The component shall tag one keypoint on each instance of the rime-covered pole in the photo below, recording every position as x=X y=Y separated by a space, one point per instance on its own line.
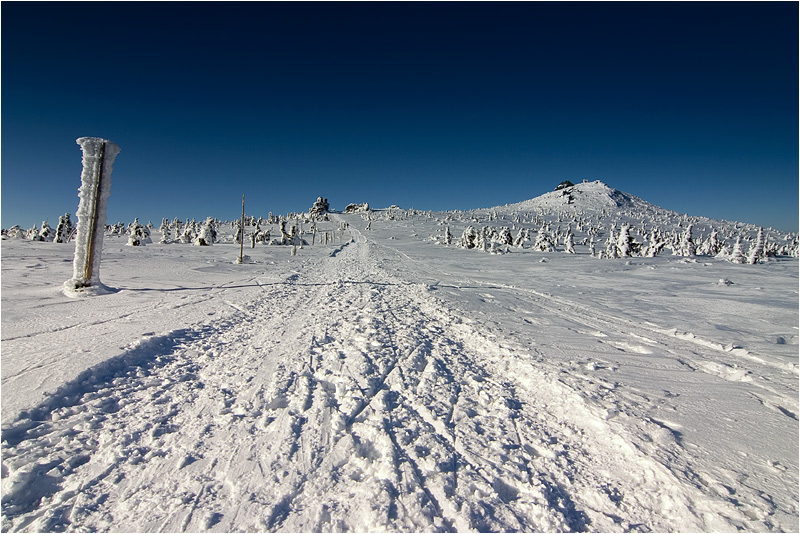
x=98 y=159
x=241 y=245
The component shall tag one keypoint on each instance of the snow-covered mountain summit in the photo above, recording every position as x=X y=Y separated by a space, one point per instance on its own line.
x=586 y=197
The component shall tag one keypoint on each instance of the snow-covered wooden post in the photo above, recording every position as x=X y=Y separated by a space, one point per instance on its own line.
x=240 y=260
x=98 y=159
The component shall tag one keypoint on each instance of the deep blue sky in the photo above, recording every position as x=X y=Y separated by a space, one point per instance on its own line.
x=691 y=106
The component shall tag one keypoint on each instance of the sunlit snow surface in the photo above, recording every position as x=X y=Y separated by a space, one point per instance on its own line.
x=388 y=383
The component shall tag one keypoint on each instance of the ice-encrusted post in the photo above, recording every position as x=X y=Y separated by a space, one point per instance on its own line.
x=98 y=159
x=241 y=245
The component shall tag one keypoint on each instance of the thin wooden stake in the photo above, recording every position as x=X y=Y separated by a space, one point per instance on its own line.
x=241 y=241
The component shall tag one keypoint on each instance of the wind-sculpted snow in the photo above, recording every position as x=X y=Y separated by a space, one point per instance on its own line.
x=367 y=387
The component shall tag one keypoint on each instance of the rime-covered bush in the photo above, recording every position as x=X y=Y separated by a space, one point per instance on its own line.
x=522 y=238
x=286 y=238
x=237 y=225
x=611 y=244
x=543 y=243
x=469 y=238
x=656 y=244
x=207 y=235
x=15 y=232
x=687 y=246
x=45 y=232
x=33 y=233
x=138 y=235
x=569 y=241
x=711 y=246
x=625 y=242
x=165 y=232
x=189 y=232
x=64 y=229
x=504 y=236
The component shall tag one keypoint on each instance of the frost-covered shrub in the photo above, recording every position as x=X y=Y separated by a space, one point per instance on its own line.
x=33 y=233
x=138 y=235
x=45 y=232
x=207 y=235
x=165 y=232
x=712 y=246
x=687 y=246
x=469 y=238
x=611 y=244
x=544 y=242
x=237 y=225
x=448 y=237
x=16 y=232
x=569 y=241
x=522 y=237
x=656 y=244
x=504 y=236
x=118 y=229
x=286 y=238
x=189 y=232
x=485 y=239
x=64 y=229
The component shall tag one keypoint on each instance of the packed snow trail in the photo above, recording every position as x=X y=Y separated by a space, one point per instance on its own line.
x=339 y=398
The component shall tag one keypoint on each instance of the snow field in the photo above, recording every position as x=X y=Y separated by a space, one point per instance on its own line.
x=378 y=386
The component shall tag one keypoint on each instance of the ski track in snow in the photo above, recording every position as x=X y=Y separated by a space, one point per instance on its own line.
x=346 y=398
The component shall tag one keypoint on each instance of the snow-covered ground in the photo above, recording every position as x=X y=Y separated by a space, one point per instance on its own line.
x=385 y=382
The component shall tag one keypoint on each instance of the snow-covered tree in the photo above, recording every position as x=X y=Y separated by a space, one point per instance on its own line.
x=522 y=237
x=569 y=241
x=611 y=244
x=504 y=236
x=756 y=252
x=737 y=256
x=656 y=244
x=165 y=232
x=624 y=242
x=687 y=246
x=713 y=245
x=448 y=237
x=543 y=242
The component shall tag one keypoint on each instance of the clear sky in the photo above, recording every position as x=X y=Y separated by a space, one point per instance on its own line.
x=691 y=106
